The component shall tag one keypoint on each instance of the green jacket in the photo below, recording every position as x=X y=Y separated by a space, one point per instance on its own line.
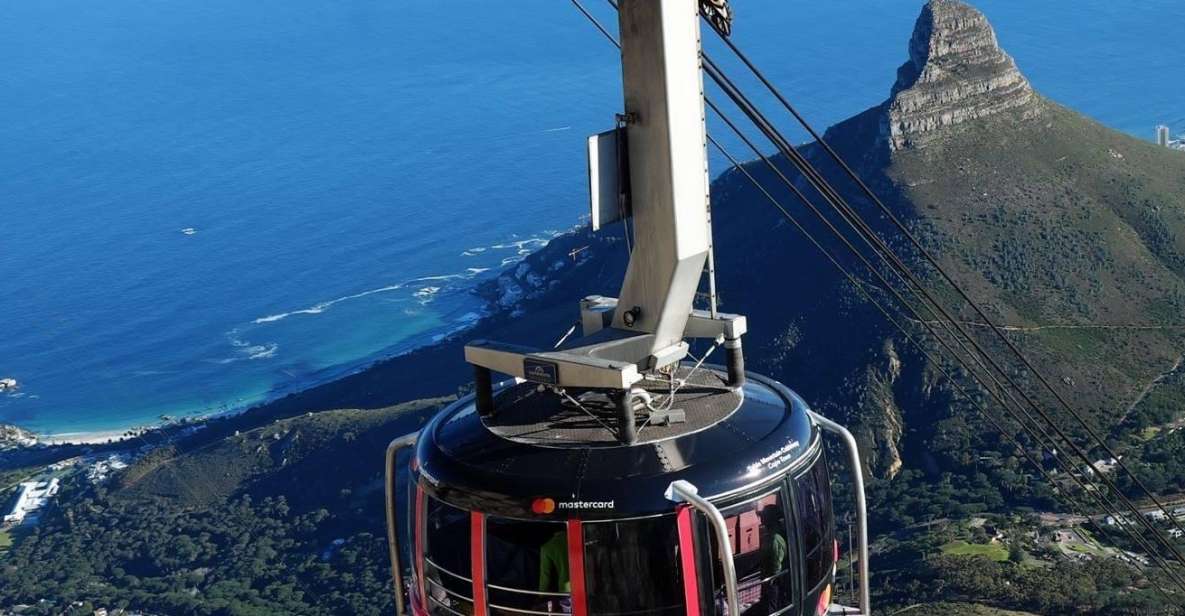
x=553 y=565
x=773 y=554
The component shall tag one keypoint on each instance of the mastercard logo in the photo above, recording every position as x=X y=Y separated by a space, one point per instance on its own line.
x=542 y=506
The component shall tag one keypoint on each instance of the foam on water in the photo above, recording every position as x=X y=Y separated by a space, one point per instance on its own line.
x=323 y=306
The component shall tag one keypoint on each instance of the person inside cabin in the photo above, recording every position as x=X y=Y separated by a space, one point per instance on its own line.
x=553 y=570
x=773 y=552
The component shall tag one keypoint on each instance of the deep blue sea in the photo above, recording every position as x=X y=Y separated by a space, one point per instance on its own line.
x=204 y=204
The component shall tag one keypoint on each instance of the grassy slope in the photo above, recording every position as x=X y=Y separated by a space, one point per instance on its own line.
x=306 y=458
x=994 y=551
x=1062 y=221
x=957 y=609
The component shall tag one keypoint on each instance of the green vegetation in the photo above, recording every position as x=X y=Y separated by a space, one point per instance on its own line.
x=947 y=608
x=991 y=551
x=5 y=541
x=1102 y=587
x=244 y=524
x=1061 y=221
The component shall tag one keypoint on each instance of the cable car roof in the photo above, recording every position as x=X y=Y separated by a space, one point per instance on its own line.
x=727 y=444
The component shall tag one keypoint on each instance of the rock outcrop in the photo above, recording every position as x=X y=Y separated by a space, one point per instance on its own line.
x=12 y=437
x=956 y=73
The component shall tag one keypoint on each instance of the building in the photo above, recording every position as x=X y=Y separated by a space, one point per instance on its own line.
x=1162 y=136
x=33 y=496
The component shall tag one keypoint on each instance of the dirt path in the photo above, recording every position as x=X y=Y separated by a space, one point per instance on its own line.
x=1149 y=387
x=1037 y=328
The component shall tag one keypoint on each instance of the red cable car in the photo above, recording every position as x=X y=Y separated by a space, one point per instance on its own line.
x=613 y=475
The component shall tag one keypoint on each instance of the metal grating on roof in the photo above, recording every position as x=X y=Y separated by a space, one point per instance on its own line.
x=531 y=414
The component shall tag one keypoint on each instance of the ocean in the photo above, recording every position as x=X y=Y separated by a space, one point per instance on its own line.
x=207 y=204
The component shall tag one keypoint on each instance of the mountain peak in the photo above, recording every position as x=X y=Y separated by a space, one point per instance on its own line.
x=956 y=73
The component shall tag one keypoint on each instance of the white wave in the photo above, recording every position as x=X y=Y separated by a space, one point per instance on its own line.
x=473 y=271
x=521 y=244
x=521 y=247
x=152 y=372
x=323 y=306
x=556 y=130
x=245 y=349
x=440 y=277
x=425 y=294
x=262 y=351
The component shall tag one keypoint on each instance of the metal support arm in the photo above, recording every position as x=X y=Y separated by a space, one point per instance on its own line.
x=685 y=492
x=853 y=450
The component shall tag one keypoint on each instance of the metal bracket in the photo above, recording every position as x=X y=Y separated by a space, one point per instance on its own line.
x=575 y=367
x=597 y=312
x=719 y=14
x=667 y=417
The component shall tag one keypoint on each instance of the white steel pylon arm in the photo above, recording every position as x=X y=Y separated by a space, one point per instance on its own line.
x=666 y=158
x=663 y=85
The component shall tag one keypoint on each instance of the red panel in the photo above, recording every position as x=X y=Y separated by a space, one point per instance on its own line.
x=419 y=521
x=733 y=540
x=477 y=556
x=749 y=539
x=687 y=560
x=576 y=568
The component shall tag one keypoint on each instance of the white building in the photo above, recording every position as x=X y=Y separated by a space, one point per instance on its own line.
x=100 y=470
x=33 y=496
x=1157 y=515
x=1162 y=136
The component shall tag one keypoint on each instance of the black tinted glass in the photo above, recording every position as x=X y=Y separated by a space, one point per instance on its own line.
x=526 y=566
x=816 y=519
x=762 y=555
x=632 y=567
x=446 y=559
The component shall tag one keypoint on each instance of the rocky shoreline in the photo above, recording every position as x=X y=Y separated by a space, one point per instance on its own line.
x=14 y=437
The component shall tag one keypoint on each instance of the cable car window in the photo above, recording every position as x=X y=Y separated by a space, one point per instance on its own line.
x=446 y=560
x=632 y=567
x=527 y=566
x=815 y=517
x=762 y=552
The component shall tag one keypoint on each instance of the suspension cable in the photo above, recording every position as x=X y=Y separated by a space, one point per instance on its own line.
x=863 y=186
x=1107 y=507
x=820 y=184
x=828 y=192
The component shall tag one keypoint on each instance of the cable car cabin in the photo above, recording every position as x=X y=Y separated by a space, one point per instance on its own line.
x=539 y=509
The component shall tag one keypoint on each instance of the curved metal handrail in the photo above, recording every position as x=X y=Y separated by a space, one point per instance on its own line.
x=683 y=491
x=392 y=526
x=849 y=442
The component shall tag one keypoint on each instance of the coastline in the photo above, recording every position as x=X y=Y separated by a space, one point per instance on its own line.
x=102 y=437
x=498 y=296
x=331 y=375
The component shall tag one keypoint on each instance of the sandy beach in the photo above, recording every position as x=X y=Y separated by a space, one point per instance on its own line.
x=84 y=438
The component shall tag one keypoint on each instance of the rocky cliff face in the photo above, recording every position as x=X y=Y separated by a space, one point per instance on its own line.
x=956 y=73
